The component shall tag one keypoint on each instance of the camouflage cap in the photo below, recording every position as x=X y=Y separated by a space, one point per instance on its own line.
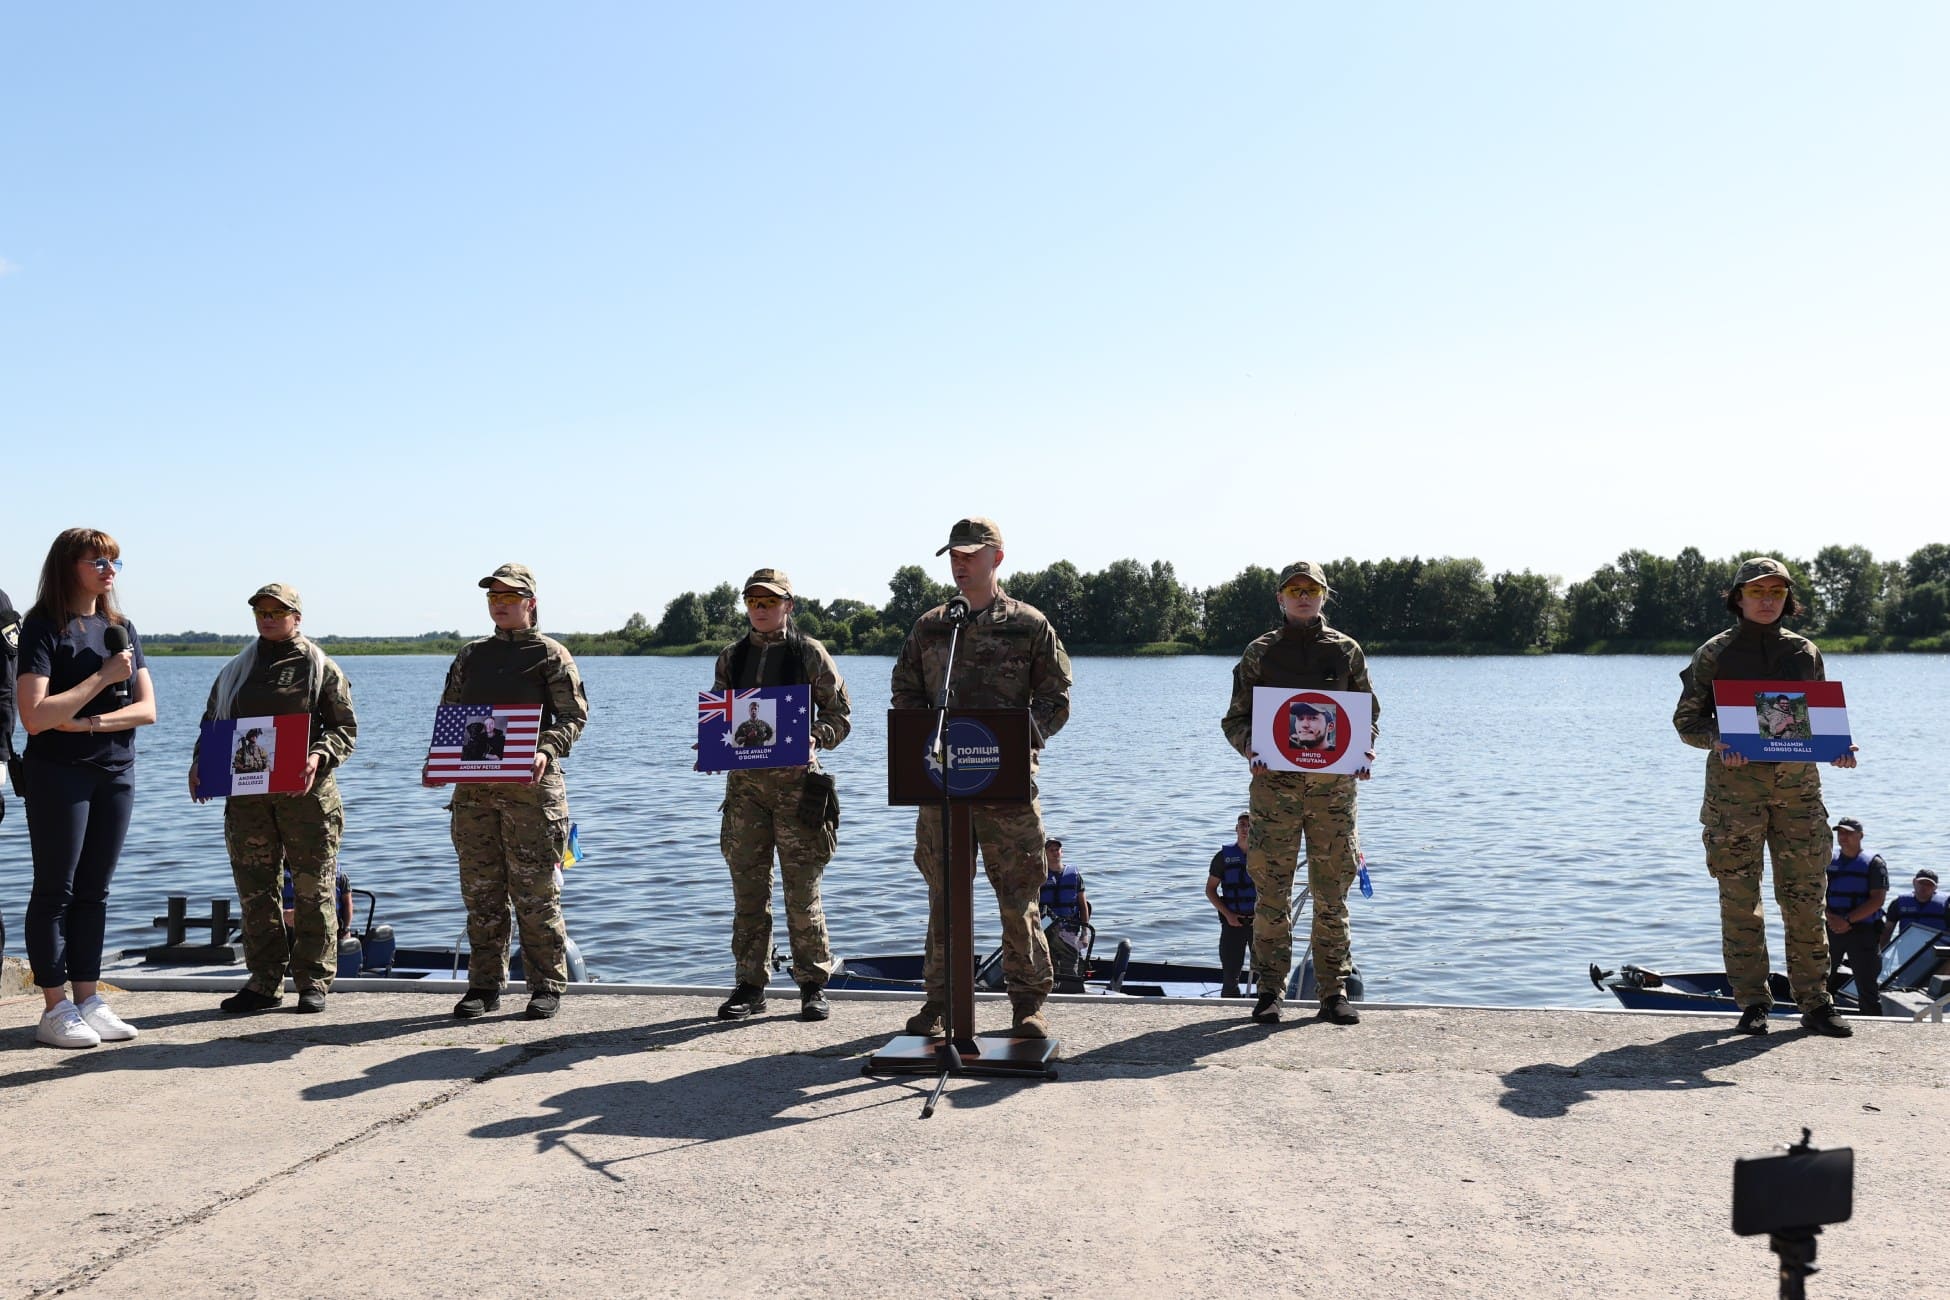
x=1302 y=569
x=972 y=534
x=518 y=576
x=1761 y=566
x=283 y=593
x=772 y=580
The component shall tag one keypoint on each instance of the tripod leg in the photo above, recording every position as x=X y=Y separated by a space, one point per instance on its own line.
x=940 y=1085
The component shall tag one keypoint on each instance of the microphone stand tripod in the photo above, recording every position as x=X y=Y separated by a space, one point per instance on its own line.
x=949 y=1050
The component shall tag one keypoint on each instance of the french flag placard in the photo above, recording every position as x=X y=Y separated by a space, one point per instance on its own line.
x=766 y=726
x=253 y=756
x=483 y=742
x=1783 y=722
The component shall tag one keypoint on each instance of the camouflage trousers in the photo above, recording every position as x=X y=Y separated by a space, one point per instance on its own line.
x=1776 y=806
x=761 y=814
x=266 y=833
x=1010 y=837
x=1287 y=807
x=510 y=841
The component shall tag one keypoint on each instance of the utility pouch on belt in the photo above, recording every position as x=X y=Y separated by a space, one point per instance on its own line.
x=819 y=801
x=17 y=775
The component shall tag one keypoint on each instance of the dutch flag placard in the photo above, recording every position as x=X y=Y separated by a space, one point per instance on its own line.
x=1783 y=722
x=253 y=756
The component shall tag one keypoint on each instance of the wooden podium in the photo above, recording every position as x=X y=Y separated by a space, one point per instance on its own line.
x=968 y=757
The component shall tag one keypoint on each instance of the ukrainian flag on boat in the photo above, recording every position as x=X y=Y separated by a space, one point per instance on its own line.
x=572 y=851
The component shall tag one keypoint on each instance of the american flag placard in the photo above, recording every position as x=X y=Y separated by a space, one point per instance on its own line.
x=766 y=726
x=484 y=742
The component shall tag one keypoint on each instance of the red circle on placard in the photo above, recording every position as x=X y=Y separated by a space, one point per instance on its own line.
x=1309 y=759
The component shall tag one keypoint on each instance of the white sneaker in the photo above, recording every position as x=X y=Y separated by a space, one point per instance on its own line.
x=63 y=1026
x=111 y=1027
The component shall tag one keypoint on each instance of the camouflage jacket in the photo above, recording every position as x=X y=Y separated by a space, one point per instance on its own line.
x=280 y=682
x=1744 y=652
x=1299 y=656
x=832 y=709
x=523 y=667
x=1010 y=657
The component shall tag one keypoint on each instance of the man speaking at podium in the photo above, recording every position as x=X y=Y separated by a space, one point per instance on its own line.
x=1009 y=658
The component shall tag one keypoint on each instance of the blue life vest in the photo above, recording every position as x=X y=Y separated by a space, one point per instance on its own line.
x=1061 y=895
x=1906 y=911
x=1236 y=883
x=1849 y=886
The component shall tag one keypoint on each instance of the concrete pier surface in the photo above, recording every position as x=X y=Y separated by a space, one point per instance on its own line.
x=636 y=1146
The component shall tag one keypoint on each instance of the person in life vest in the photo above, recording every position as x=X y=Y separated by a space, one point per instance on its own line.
x=1229 y=888
x=1921 y=906
x=1067 y=907
x=1858 y=883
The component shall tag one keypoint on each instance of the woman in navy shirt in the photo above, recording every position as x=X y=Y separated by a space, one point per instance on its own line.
x=80 y=703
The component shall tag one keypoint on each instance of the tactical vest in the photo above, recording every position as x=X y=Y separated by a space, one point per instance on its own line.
x=787 y=669
x=1934 y=914
x=1849 y=886
x=1236 y=883
x=1061 y=895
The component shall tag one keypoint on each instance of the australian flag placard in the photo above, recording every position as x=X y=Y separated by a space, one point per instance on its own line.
x=766 y=726
x=483 y=742
x=253 y=756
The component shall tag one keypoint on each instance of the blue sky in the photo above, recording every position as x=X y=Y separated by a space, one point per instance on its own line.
x=370 y=298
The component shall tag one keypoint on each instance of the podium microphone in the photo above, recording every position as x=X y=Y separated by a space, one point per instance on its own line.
x=115 y=638
x=956 y=611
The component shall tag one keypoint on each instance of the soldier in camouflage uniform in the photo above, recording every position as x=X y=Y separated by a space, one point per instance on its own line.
x=1749 y=805
x=284 y=673
x=771 y=808
x=510 y=836
x=1304 y=653
x=1009 y=658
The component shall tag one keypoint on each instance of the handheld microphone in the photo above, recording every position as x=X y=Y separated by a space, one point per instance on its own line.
x=957 y=609
x=115 y=639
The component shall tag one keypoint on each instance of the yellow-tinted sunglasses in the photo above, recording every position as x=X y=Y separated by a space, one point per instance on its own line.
x=763 y=602
x=1302 y=590
x=1754 y=591
x=505 y=598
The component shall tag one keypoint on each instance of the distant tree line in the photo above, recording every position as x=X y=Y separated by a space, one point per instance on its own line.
x=1640 y=600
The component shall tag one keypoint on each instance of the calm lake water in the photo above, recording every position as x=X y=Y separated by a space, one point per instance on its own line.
x=1527 y=817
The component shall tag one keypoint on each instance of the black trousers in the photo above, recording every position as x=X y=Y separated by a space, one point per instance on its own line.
x=1861 y=949
x=77 y=818
x=1235 y=945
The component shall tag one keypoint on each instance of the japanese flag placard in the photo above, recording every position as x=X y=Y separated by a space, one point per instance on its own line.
x=1312 y=731
x=1783 y=722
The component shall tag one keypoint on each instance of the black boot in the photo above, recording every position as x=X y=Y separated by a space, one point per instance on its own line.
x=1753 y=1020
x=1336 y=1008
x=1827 y=1021
x=745 y=1001
x=543 y=1006
x=1267 y=1010
x=247 y=1000
x=812 y=1002
x=478 y=1002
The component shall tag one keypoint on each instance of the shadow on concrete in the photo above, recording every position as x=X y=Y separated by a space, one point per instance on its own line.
x=745 y=1095
x=1183 y=1047
x=267 y=1030
x=1548 y=1090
